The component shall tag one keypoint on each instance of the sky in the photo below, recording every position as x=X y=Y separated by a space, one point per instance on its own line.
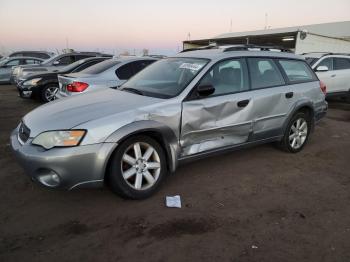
x=158 y=25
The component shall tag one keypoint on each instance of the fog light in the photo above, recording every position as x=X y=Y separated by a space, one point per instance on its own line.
x=49 y=178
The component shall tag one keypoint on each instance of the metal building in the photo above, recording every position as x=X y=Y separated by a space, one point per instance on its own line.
x=327 y=37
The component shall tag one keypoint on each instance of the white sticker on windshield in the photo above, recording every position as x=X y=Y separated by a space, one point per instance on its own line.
x=194 y=67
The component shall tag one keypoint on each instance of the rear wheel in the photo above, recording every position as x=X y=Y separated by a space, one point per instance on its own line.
x=297 y=133
x=48 y=93
x=137 y=168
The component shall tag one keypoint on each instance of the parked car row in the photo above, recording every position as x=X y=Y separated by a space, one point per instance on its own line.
x=52 y=64
x=44 y=86
x=173 y=110
x=83 y=76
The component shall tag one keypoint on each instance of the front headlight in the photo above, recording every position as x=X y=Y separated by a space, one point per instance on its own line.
x=63 y=138
x=32 y=82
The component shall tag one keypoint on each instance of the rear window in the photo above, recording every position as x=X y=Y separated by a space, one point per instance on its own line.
x=264 y=73
x=100 y=67
x=297 y=71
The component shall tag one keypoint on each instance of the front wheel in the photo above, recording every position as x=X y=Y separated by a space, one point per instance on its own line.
x=297 y=133
x=48 y=93
x=137 y=168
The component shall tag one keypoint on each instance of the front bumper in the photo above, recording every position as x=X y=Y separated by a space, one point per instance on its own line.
x=81 y=166
x=26 y=91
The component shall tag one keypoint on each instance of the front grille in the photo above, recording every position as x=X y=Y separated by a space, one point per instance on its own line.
x=23 y=132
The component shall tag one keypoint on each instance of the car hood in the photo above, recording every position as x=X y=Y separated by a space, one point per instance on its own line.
x=39 y=75
x=70 y=112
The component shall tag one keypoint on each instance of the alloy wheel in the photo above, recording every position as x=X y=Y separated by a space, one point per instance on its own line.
x=298 y=133
x=140 y=166
x=50 y=93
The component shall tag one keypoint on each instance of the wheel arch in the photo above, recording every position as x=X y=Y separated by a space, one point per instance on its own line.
x=164 y=135
x=302 y=106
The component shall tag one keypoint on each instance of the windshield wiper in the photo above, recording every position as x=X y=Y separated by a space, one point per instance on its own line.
x=133 y=90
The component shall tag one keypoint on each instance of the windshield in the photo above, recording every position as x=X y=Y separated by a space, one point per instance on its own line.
x=100 y=67
x=49 y=60
x=3 y=60
x=166 y=78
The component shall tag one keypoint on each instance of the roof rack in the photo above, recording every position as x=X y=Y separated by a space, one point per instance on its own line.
x=260 y=47
x=326 y=53
x=199 y=48
x=245 y=47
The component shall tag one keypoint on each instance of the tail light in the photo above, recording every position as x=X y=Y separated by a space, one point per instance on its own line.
x=77 y=87
x=323 y=87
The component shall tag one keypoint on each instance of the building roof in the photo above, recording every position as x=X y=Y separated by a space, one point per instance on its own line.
x=334 y=29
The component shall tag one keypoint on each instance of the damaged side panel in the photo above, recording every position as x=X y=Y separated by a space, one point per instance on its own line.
x=213 y=123
x=217 y=122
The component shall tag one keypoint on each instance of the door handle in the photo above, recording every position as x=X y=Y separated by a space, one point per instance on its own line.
x=289 y=95
x=333 y=75
x=243 y=103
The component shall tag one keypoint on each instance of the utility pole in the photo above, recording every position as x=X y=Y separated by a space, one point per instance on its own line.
x=231 y=26
x=189 y=36
x=265 y=21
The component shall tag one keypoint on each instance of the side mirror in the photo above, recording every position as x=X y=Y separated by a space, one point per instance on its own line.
x=322 y=69
x=56 y=63
x=205 y=90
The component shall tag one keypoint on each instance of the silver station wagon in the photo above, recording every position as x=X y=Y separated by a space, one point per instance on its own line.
x=192 y=105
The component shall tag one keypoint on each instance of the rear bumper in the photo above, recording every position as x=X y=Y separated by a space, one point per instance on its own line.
x=65 y=168
x=321 y=112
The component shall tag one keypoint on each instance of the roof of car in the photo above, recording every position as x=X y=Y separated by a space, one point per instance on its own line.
x=221 y=53
x=323 y=54
x=134 y=58
x=24 y=57
x=42 y=52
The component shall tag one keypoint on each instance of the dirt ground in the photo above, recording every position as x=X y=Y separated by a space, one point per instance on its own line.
x=258 y=204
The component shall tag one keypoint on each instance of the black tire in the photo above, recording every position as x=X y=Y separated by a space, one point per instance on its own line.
x=285 y=142
x=115 y=179
x=43 y=91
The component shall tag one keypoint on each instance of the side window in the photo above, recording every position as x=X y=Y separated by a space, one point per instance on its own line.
x=327 y=62
x=297 y=71
x=264 y=73
x=13 y=62
x=125 y=72
x=66 y=60
x=341 y=63
x=227 y=77
x=31 y=61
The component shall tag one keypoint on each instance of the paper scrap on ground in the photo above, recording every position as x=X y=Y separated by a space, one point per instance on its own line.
x=173 y=201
